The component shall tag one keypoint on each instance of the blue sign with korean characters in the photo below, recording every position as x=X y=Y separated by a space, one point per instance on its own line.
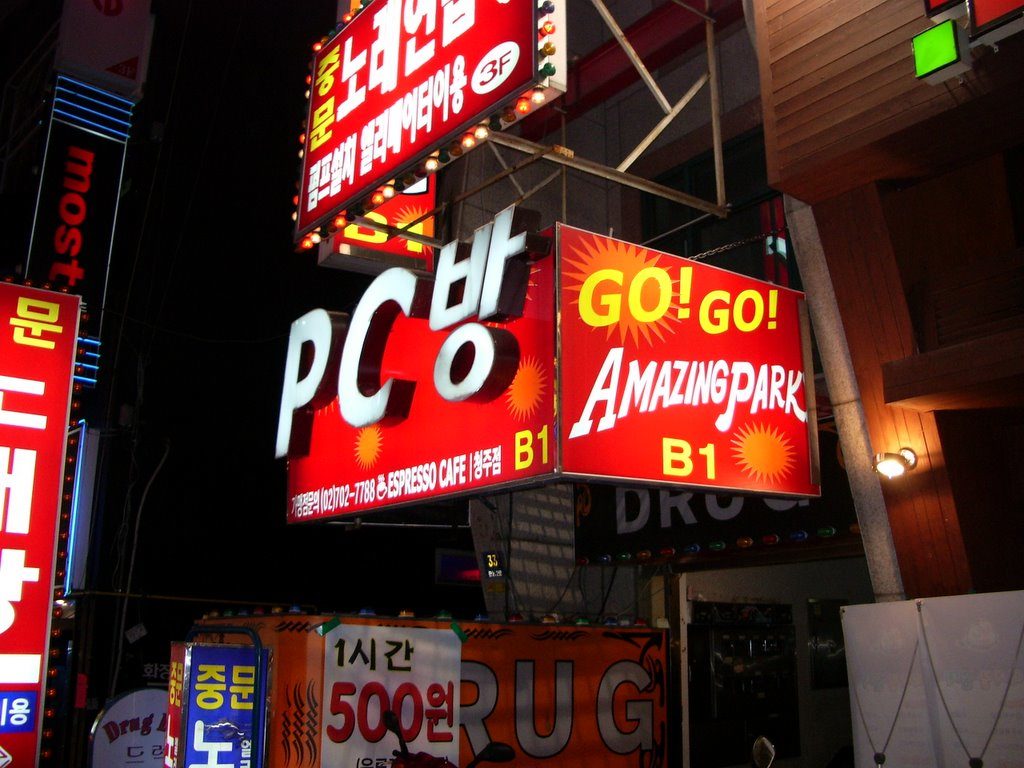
x=414 y=672
x=224 y=711
x=17 y=711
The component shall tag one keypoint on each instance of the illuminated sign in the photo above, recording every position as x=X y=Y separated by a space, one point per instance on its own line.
x=223 y=706
x=106 y=42
x=369 y=419
x=76 y=212
x=670 y=372
x=362 y=249
x=676 y=372
x=652 y=525
x=941 y=10
x=369 y=670
x=402 y=78
x=37 y=350
x=494 y=565
x=941 y=52
x=566 y=696
x=130 y=731
x=992 y=20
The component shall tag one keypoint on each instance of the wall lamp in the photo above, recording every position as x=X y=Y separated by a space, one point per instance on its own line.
x=892 y=465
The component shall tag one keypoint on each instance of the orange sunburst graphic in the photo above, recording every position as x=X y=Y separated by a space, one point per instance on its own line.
x=407 y=214
x=593 y=254
x=531 y=281
x=524 y=393
x=763 y=452
x=369 y=442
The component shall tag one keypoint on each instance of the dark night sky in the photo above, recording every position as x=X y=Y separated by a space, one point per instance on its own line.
x=205 y=284
x=203 y=287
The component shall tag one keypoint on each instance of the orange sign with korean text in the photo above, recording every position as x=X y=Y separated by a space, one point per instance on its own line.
x=591 y=697
x=566 y=696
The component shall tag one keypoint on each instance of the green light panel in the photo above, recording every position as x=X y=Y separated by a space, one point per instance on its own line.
x=936 y=48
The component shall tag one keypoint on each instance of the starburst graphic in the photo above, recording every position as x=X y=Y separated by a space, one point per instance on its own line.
x=592 y=255
x=525 y=391
x=763 y=452
x=406 y=215
x=369 y=442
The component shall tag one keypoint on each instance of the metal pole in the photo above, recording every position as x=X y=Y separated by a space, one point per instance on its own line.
x=538 y=187
x=503 y=164
x=391 y=231
x=631 y=53
x=716 y=109
x=690 y=8
x=663 y=124
x=680 y=228
x=604 y=172
x=565 y=176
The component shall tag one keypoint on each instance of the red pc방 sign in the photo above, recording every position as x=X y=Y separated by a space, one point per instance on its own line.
x=401 y=78
x=673 y=371
x=395 y=408
x=38 y=330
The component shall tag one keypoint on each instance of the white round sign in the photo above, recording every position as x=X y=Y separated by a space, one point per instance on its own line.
x=130 y=730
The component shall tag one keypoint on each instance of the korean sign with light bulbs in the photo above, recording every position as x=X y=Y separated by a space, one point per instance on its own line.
x=566 y=696
x=37 y=352
x=405 y=77
x=667 y=371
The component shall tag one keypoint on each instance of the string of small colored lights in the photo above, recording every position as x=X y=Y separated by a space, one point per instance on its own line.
x=668 y=553
x=59 y=647
x=973 y=762
x=522 y=106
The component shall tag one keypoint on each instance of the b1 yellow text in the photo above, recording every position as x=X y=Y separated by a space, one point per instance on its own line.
x=677 y=459
x=528 y=445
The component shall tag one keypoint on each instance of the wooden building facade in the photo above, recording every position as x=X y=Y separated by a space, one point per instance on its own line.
x=917 y=192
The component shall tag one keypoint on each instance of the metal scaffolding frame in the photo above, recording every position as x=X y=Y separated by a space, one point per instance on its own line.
x=566 y=158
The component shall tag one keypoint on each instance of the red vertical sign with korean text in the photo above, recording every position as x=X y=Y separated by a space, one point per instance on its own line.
x=501 y=440
x=38 y=331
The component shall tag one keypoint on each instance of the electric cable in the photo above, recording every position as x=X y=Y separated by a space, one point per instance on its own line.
x=116 y=668
x=608 y=593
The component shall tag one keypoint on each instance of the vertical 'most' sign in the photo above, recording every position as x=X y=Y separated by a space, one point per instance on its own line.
x=79 y=192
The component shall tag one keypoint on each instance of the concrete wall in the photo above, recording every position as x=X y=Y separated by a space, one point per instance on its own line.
x=533 y=530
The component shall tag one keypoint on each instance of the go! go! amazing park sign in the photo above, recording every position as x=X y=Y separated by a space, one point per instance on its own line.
x=517 y=363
